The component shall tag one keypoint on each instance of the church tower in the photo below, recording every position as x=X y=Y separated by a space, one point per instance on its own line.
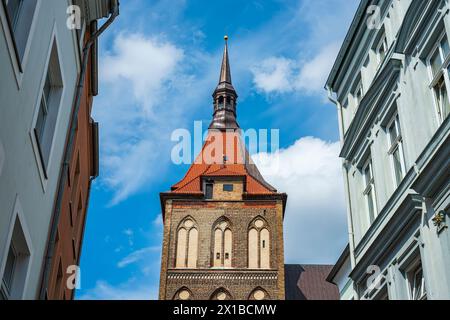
x=223 y=223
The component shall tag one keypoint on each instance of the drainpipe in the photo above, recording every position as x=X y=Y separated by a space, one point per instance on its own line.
x=69 y=149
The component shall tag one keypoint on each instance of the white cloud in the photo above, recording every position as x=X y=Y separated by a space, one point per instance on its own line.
x=314 y=73
x=309 y=171
x=130 y=290
x=137 y=255
x=148 y=63
x=282 y=75
x=139 y=105
x=274 y=75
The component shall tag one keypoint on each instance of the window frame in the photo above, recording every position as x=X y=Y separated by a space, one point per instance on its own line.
x=7 y=288
x=410 y=276
x=19 y=56
x=369 y=191
x=228 y=187
x=358 y=88
x=394 y=146
x=382 y=43
x=53 y=67
x=442 y=75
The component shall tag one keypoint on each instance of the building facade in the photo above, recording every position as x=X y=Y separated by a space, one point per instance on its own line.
x=41 y=61
x=223 y=223
x=390 y=83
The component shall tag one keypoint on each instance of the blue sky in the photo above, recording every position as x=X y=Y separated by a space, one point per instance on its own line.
x=159 y=64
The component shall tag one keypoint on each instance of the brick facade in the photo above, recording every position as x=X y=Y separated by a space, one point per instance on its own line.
x=239 y=281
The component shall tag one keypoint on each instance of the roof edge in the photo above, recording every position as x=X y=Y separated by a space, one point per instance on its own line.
x=344 y=255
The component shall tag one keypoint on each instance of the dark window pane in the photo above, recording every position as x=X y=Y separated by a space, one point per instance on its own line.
x=13 y=8
x=228 y=187
x=8 y=274
x=209 y=191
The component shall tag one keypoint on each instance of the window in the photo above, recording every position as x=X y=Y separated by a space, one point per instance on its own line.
x=8 y=274
x=221 y=294
x=183 y=294
x=369 y=190
x=382 y=48
x=259 y=245
x=221 y=102
x=45 y=125
x=187 y=244
x=259 y=294
x=223 y=244
x=209 y=191
x=438 y=66
x=20 y=17
x=416 y=284
x=16 y=263
x=396 y=150
x=358 y=94
x=228 y=187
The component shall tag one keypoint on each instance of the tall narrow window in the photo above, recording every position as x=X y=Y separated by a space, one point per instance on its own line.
x=382 y=48
x=416 y=283
x=396 y=150
x=439 y=72
x=253 y=262
x=358 y=94
x=8 y=274
x=369 y=190
x=45 y=125
x=258 y=245
x=187 y=245
x=209 y=190
x=223 y=244
x=17 y=259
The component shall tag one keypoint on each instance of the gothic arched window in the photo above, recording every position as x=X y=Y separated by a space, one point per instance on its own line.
x=187 y=244
x=183 y=294
x=221 y=294
x=258 y=244
x=259 y=294
x=222 y=244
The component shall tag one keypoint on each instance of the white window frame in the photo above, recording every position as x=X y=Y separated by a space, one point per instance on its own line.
x=369 y=192
x=394 y=146
x=44 y=172
x=442 y=73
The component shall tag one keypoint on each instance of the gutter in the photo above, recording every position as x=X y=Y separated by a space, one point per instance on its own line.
x=69 y=149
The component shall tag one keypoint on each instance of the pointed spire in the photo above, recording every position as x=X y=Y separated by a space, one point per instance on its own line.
x=225 y=97
x=225 y=73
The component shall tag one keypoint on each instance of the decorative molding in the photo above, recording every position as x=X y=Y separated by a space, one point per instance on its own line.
x=222 y=275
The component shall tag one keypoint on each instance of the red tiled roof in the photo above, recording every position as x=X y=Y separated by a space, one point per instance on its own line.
x=223 y=155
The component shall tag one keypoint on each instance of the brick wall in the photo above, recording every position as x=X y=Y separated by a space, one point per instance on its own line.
x=238 y=281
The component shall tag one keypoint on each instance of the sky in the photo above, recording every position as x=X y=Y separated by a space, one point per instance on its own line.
x=159 y=65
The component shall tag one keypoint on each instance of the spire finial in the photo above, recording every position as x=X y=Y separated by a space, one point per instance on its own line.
x=225 y=73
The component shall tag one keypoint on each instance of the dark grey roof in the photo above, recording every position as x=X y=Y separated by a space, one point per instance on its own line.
x=308 y=282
